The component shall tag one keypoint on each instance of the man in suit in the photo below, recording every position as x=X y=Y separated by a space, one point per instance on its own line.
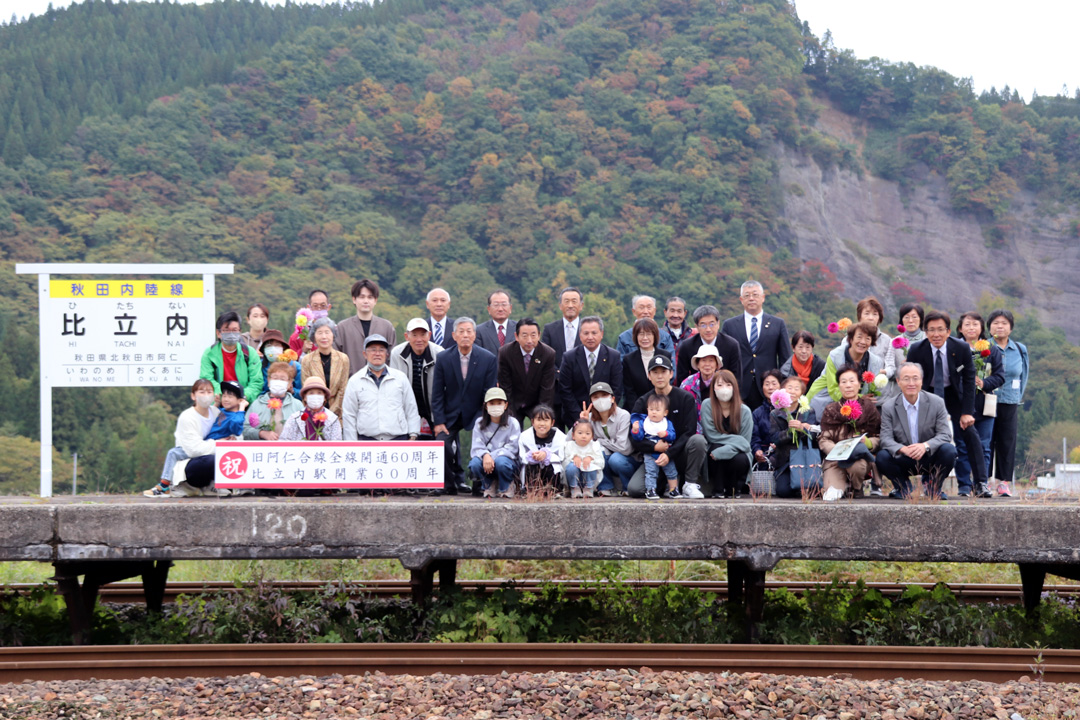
x=438 y=305
x=707 y=321
x=527 y=370
x=915 y=436
x=763 y=342
x=562 y=335
x=496 y=332
x=949 y=373
x=352 y=331
x=462 y=375
x=643 y=306
x=591 y=362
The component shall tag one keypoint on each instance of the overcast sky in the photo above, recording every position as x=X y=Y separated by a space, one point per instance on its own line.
x=1028 y=45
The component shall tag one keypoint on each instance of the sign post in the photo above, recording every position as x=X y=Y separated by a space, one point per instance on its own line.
x=119 y=332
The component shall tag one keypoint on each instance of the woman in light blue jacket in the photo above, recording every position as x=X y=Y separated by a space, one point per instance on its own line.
x=728 y=426
x=1009 y=397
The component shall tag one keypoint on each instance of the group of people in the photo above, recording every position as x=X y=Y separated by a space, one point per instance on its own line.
x=697 y=399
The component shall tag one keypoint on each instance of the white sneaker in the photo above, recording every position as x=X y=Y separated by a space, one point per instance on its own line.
x=832 y=495
x=692 y=491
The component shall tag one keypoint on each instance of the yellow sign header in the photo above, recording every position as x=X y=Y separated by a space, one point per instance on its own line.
x=121 y=289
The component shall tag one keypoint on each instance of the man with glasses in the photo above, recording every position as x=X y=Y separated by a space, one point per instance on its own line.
x=318 y=303
x=763 y=342
x=949 y=373
x=707 y=321
x=499 y=330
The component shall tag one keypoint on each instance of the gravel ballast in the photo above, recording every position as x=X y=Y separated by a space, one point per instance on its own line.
x=622 y=694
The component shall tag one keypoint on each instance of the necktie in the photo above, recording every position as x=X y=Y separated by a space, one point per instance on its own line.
x=437 y=334
x=502 y=336
x=528 y=361
x=569 y=337
x=464 y=367
x=939 y=375
x=753 y=334
x=592 y=365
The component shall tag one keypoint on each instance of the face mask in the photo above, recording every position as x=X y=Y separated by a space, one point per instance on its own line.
x=725 y=393
x=314 y=400
x=496 y=411
x=316 y=314
x=273 y=353
x=278 y=387
x=204 y=401
x=602 y=404
x=376 y=368
x=230 y=338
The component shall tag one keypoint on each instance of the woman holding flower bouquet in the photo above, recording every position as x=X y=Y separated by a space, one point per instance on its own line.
x=849 y=417
x=267 y=415
x=793 y=425
x=861 y=336
x=989 y=376
x=314 y=421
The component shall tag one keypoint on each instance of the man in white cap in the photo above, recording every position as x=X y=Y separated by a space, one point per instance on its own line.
x=706 y=362
x=416 y=358
x=379 y=402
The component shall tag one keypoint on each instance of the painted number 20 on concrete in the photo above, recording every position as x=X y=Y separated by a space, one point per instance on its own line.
x=274 y=527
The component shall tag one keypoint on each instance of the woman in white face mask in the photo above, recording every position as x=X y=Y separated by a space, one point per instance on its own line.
x=314 y=421
x=728 y=427
x=611 y=428
x=267 y=415
x=495 y=446
x=274 y=348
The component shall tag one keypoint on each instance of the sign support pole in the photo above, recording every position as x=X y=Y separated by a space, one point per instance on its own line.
x=46 y=399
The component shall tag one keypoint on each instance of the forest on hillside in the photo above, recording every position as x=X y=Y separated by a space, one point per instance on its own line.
x=622 y=146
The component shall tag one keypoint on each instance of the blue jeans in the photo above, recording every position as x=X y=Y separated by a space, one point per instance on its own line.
x=580 y=478
x=171 y=458
x=652 y=471
x=985 y=427
x=504 y=471
x=617 y=464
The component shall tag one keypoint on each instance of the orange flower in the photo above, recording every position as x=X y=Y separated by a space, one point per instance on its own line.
x=274 y=404
x=845 y=410
x=320 y=417
x=843 y=324
x=288 y=356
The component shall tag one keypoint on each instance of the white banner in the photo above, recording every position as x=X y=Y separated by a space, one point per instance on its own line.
x=329 y=465
x=100 y=333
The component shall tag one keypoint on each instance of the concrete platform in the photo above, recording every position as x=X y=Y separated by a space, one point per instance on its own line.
x=419 y=530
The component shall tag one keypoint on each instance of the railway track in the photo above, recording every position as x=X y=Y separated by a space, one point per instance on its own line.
x=867 y=663
x=132 y=592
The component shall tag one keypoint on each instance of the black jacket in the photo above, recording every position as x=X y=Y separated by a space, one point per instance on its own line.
x=682 y=412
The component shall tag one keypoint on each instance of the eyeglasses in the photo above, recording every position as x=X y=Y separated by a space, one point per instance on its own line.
x=320 y=306
x=708 y=325
x=499 y=304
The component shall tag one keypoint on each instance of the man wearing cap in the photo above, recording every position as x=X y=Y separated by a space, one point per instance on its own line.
x=379 y=402
x=230 y=359
x=527 y=370
x=416 y=358
x=589 y=363
x=462 y=375
x=706 y=362
x=707 y=321
x=688 y=451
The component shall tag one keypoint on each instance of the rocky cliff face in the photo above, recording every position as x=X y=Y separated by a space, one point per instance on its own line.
x=873 y=233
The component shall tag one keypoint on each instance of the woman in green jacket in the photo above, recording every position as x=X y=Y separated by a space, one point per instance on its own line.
x=727 y=425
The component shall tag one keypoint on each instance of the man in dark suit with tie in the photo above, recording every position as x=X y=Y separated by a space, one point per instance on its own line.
x=562 y=335
x=527 y=370
x=462 y=375
x=591 y=362
x=949 y=373
x=915 y=436
x=707 y=321
x=763 y=342
x=496 y=332
x=439 y=322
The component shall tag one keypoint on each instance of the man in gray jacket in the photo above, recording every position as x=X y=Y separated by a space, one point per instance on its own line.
x=916 y=437
x=416 y=358
x=379 y=402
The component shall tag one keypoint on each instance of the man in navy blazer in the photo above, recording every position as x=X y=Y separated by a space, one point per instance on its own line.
x=763 y=342
x=562 y=335
x=487 y=334
x=955 y=384
x=457 y=397
x=439 y=322
x=574 y=377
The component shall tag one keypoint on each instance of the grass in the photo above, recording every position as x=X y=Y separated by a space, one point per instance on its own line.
x=369 y=570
